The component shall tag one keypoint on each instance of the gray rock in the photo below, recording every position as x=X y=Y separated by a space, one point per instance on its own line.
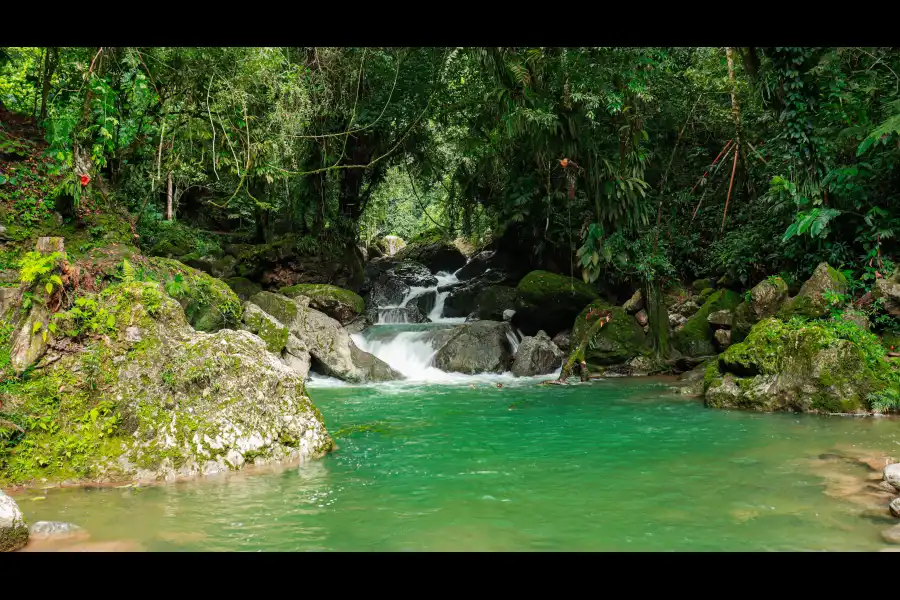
x=892 y=475
x=296 y=356
x=13 y=531
x=4 y=235
x=387 y=291
x=477 y=265
x=891 y=535
x=413 y=274
x=478 y=347
x=258 y=322
x=641 y=365
x=811 y=300
x=327 y=341
x=132 y=334
x=359 y=324
x=426 y=302
x=676 y=320
x=895 y=507
x=562 y=340
x=641 y=317
x=537 y=355
x=401 y=314
x=635 y=303
x=56 y=530
x=723 y=338
x=508 y=314
x=721 y=319
x=493 y=301
x=685 y=309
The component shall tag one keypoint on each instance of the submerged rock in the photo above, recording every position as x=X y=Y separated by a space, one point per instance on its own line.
x=13 y=531
x=328 y=343
x=338 y=303
x=550 y=302
x=44 y=530
x=892 y=475
x=536 y=355
x=477 y=347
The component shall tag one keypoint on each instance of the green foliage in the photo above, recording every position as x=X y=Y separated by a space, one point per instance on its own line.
x=85 y=317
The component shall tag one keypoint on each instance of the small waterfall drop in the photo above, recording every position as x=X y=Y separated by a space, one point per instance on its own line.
x=396 y=315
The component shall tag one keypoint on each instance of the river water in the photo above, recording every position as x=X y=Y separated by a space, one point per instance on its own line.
x=443 y=461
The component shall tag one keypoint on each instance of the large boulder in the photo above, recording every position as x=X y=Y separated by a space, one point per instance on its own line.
x=798 y=367
x=437 y=255
x=477 y=265
x=258 y=322
x=154 y=399
x=491 y=302
x=634 y=304
x=536 y=355
x=617 y=341
x=387 y=291
x=242 y=287
x=813 y=299
x=888 y=292
x=695 y=337
x=333 y=351
x=462 y=299
x=476 y=347
x=413 y=274
x=208 y=303
x=13 y=530
x=550 y=302
x=338 y=303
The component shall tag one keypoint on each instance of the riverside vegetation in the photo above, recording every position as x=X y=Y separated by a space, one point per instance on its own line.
x=190 y=236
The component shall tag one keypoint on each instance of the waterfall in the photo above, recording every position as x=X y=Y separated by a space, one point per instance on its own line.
x=396 y=315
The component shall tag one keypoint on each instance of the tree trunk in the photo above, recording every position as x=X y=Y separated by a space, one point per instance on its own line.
x=169 y=197
x=735 y=105
x=49 y=68
x=658 y=317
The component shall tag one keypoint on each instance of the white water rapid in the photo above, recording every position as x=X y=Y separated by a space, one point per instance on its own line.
x=392 y=315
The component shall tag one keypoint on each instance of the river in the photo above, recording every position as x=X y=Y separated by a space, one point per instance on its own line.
x=444 y=461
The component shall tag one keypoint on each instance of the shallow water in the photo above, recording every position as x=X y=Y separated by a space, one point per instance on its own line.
x=611 y=465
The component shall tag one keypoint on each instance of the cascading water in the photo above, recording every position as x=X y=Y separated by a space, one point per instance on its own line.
x=397 y=315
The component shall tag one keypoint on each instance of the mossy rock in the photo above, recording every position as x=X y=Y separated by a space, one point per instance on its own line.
x=492 y=301
x=616 y=342
x=153 y=399
x=169 y=249
x=272 y=332
x=13 y=529
x=811 y=301
x=803 y=366
x=281 y=307
x=435 y=253
x=702 y=284
x=706 y=293
x=338 y=303
x=244 y=288
x=208 y=302
x=550 y=302
x=695 y=338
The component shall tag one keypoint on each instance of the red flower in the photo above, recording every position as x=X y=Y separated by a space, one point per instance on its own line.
x=85 y=180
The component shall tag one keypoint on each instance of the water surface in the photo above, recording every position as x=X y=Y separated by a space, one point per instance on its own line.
x=612 y=465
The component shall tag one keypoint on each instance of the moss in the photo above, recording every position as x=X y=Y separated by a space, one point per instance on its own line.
x=319 y=292
x=542 y=286
x=700 y=285
x=242 y=287
x=273 y=333
x=208 y=303
x=706 y=293
x=695 y=337
x=13 y=539
x=281 y=307
x=620 y=339
x=711 y=373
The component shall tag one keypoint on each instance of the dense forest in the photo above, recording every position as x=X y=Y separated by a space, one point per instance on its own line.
x=650 y=179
